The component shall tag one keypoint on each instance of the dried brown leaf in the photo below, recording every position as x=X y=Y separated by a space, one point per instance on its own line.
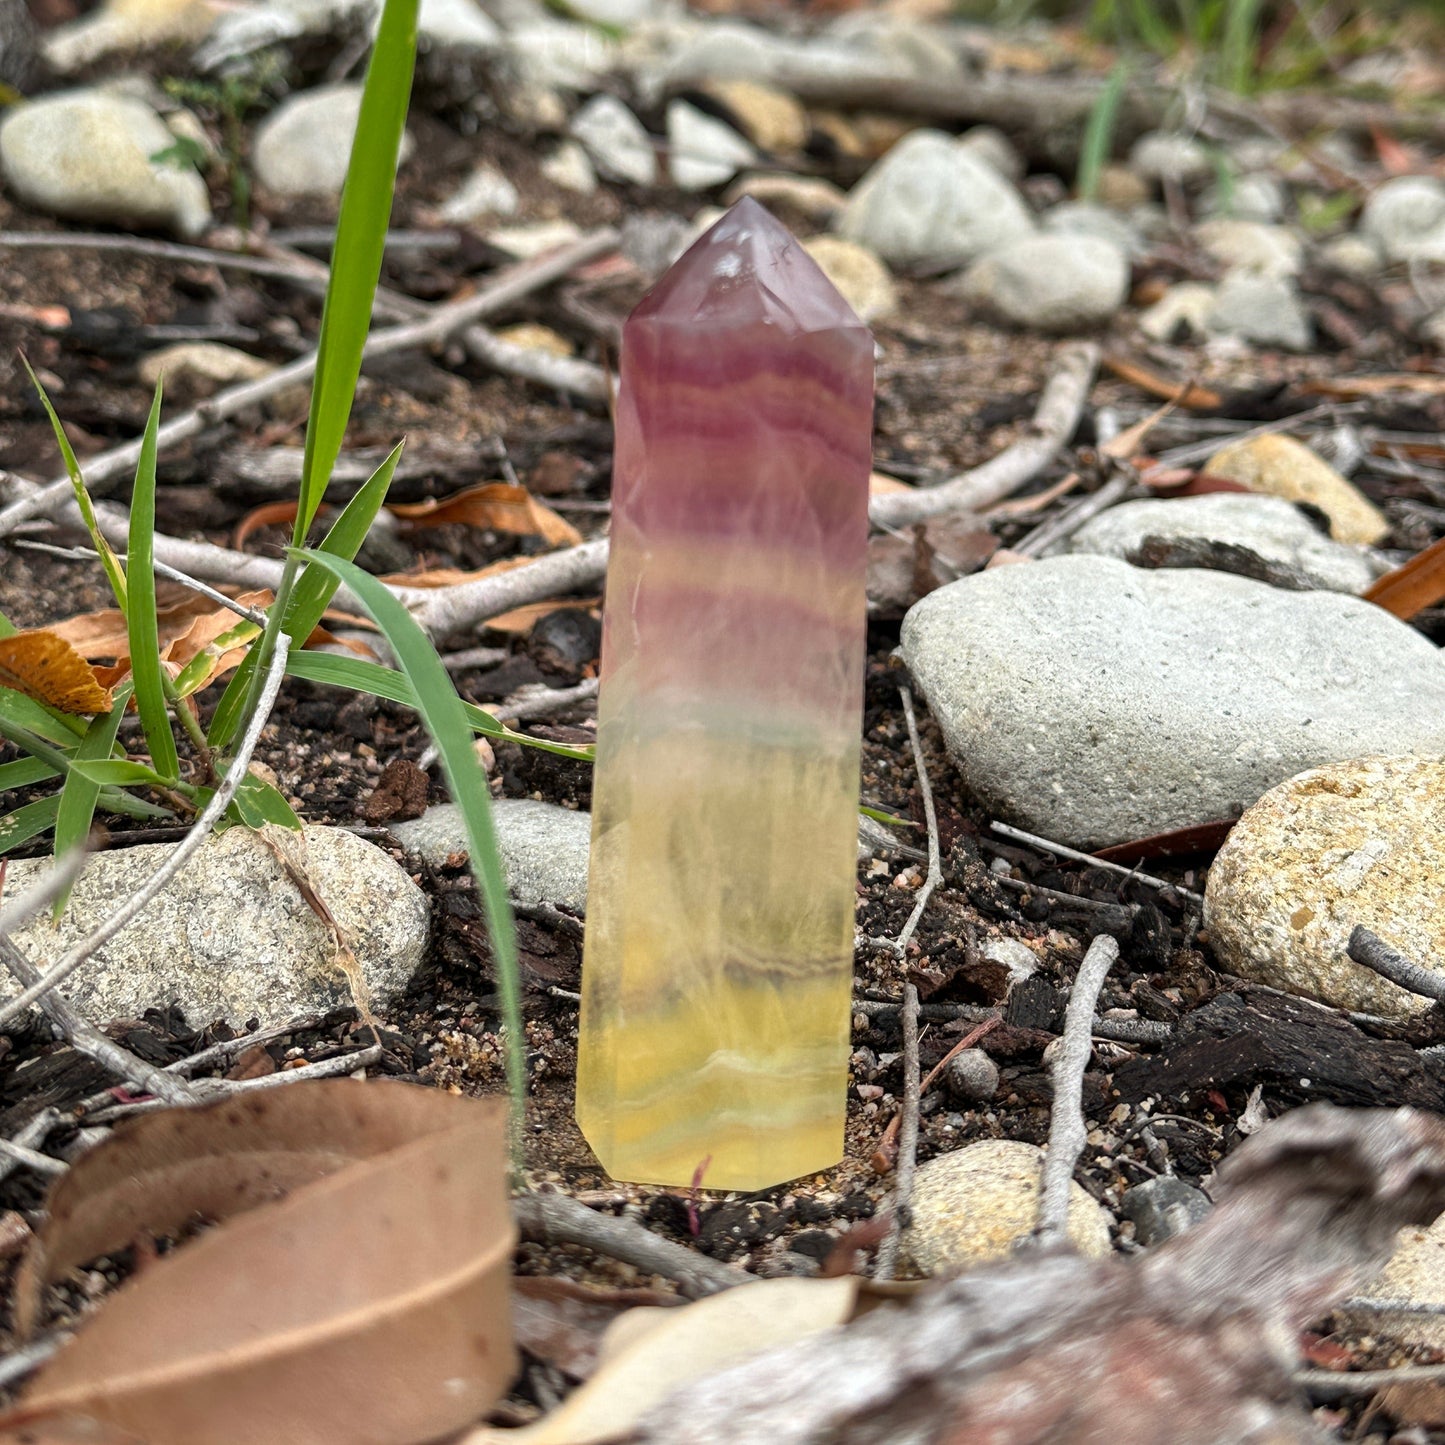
x=368 y=1305
x=1191 y=395
x=68 y=1430
x=648 y=1353
x=494 y=506
x=45 y=666
x=1414 y=586
x=562 y=1321
x=1352 y=388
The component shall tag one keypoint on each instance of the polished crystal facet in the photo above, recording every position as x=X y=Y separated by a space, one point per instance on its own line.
x=718 y=963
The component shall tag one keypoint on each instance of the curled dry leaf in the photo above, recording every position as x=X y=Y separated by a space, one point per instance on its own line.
x=367 y=1305
x=495 y=506
x=68 y=1430
x=1413 y=586
x=45 y=666
x=648 y=1353
x=562 y=1321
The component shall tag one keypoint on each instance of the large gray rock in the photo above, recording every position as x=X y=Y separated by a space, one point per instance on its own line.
x=1093 y=702
x=304 y=146
x=1274 y=530
x=1051 y=283
x=1357 y=842
x=231 y=937
x=930 y=201
x=1406 y=218
x=87 y=155
x=544 y=848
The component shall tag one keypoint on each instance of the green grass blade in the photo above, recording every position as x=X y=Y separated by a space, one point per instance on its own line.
x=141 y=626
x=1098 y=142
x=312 y=594
x=122 y=773
x=1239 y=46
x=25 y=771
x=26 y=821
x=80 y=794
x=361 y=224
x=114 y=572
x=446 y=720
x=358 y=675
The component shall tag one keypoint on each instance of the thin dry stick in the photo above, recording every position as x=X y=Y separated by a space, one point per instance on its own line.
x=31 y=1134
x=213 y=1089
x=912 y=1093
x=556 y=1219
x=1062 y=850
x=907 y=1139
x=1326 y=1385
x=32 y=1159
x=178 y=859
x=1067 y=1134
x=1374 y=953
x=925 y=789
x=545 y=702
x=1059 y=409
x=19 y=1363
x=1056 y=529
x=57 y=499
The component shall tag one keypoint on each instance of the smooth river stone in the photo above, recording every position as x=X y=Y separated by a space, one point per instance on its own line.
x=1094 y=702
x=718 y=965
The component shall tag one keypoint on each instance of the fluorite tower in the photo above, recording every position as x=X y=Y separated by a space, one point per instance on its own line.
x=718 y=963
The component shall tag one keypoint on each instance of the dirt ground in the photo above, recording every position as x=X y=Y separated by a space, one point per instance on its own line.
x=952 y=392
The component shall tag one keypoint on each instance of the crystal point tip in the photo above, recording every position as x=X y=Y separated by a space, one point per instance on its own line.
x=747 y=266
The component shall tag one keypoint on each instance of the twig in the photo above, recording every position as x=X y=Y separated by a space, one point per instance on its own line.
x=89 y=554
x=1056 y=529
x=212 y=1089
x=474 y=657
x=56 y=498
x=178 y=859
x=1326 y=1385
x=19 y=1363
x=1067 y=1134
x=1192 y=452
x=34 y=1132
x=1393 y=1306
x=925 y=789
x=556 y=1219
x=1005 y=830
x=885 y=1153
x=1060 y=406
x=1374 y=953
x=907 y=1139
x=579 y=378
x=89 y=1040
x=215 y=1054
x=545 y=701
x=32 y=1159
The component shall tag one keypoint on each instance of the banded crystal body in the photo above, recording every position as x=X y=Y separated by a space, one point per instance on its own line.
x=718 y=960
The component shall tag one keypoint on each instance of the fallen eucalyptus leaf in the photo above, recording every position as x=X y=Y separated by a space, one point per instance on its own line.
x=368 y=1307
